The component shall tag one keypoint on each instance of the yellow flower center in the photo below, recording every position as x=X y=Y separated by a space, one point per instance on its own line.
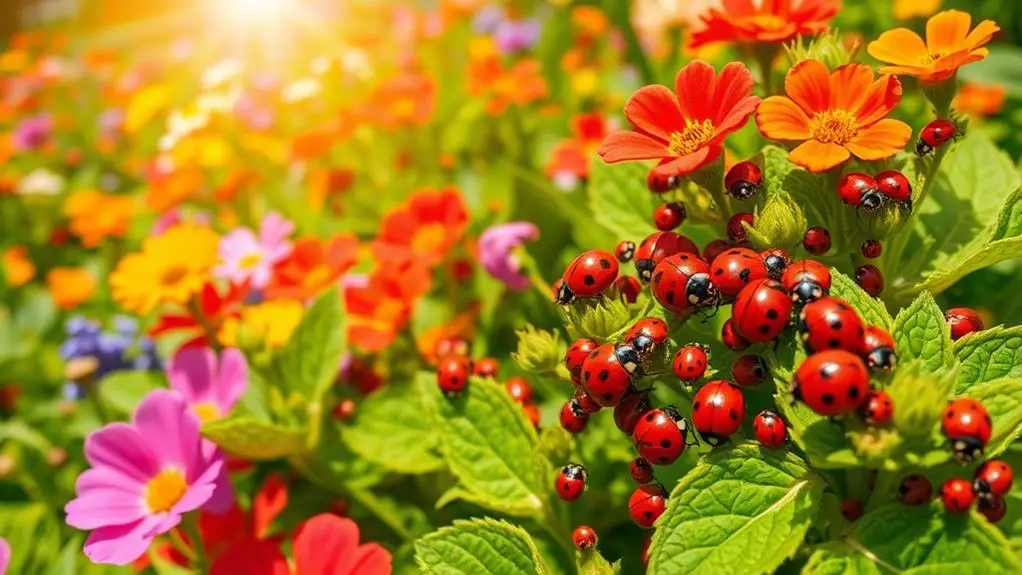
x=767 y=21
x=317 y=276
x=207 y=411
x=833 y=126
x=173 y=275
x=248 y=262
x=428 y=238
x=695 y=135
x=164 y=491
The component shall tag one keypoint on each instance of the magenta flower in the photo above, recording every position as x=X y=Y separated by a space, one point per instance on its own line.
x=32 y=133
x=144 y=476
x=246 y=257
x=5 y=555
x=496 y=247
x=209 y=386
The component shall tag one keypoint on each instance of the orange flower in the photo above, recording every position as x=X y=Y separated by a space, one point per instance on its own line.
x=95 y=215
x=17 y=266
x=70 y=287
x=770 y=21
x=380 y=306
x=838 y=114
x=949 y=46
x=462 y=327
x=428 y=224
x=980 y=99
x=313 y=266
x=572 y=156
x=404 y=100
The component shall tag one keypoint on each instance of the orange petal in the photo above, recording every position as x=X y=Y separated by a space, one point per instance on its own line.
x=881 y=140
x=739 y=8
x=654 y=110
x=982 y=34
x=622 y=146
x=808 y=84
x=695 y=85
x=917 y=71
x=817 y=156
x=899 y=46
x=880 y=98
x=684 y=165
x=780 y=119
x=733 y=86
x=945 y=30
x=849 y=85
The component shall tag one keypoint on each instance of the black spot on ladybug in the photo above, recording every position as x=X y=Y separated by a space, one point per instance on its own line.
x=684 y=256
x=690 y=368
x=842 y=306
x=585 y=375
x=649 y=417
x=608 y=396
x=772 y=313
x=605 y=264
x=764 y=329
x=836 y=325
x=827 y=399
x=669 y=297
x=862 y=331
x=718 y=272
x=662 y=459
x=834 y=343
x=604 y=374
x=733 y=415
x=744 y=274
x=695 y=406
x=588 y=280
x=853 y=392
x=665 y=443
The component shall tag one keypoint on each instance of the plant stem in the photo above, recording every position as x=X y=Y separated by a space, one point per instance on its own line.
x=190 y=525
x=558 y=530
x=195 y=307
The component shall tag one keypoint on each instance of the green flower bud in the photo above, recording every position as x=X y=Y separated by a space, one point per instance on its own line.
x=556 y=443
x=883 y=223
x=828 y=48
x=781 y=223
x=539 y=351
x=599 y=321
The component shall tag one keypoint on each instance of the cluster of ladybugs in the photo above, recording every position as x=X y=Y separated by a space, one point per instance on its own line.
x=455 y=366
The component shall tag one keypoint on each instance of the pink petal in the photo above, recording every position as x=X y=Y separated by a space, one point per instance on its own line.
x=5 y=555
x=105 y=498
x=201 y=490
x=170 y=430
x=121 y=447
x=122 y=544
x=232 y=379
x=191 y=371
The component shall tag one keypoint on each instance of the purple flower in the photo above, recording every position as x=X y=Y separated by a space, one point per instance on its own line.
x=32 y=133
x=516 y=35
x=210 y=385
x=487 y=19
x=495 y=252
x=111 y=121
x=247 y=257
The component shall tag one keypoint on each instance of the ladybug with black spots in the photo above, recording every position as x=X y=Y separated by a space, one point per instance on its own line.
x=770 y=430
x=641 y=471
x=993 y=478
x=878 y=409
x=762 y=310
x=690 y=362
x=584 y=538
x=452 y=374
x=573 y=418
x=646 y=335
x=831 y=383
x=717 y=411
x=878 y=348
x=967 y=425
x=915 y=490
x=715 y=248
x=735 y=269
x=851 y=509
x=588 y=404
x=682 y=282
x=486 y=367
x=748 y=370
x=666 y=217
x=646 y=504
x=588 y=274
x=625 y=251
x=659 y=182
x=608 y=372
x=963 y=321
x=870 y=279
x=571 y=482
x=731 y=338
x=934 y=135
x=576 y=355
x=657 y=246
x=957 y=495
x=806 y=281
x=628 y=411
x=776 y=261
x=736 y=227
x=830 y=323
x=871 y=249
x=742 y=180
x=894 y=186
x=661 y=436
x=817 y=240
x=628 y=287
x=519 y=389
x=859 y=189
x=994 y=508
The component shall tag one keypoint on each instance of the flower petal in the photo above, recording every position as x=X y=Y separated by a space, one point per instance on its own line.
x=881 y=140
x=808 y=84
x=899 y=46
x=252 y=557
x=655 y=111
x=121 y=447
x=684 y=165
x=732 y=96
x=368 y=559
x=695 y=85
x=191 y=372
x=817 y=156
x=946 y=30
x=105 y=498
x=122 y=544
x=322 y=542
x=232 y=378
x=981 y=34
x=848 y=85
x=781 y=119
x=622 y=146
x=170 y=430
x=880 y=98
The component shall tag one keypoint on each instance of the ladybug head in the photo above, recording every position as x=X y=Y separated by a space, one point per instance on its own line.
x=574 y=471
x=628 y=357
x=871 y=200
x=807 y=291
x=645 y=269
x=673 y=413
x=775 y=265
x=742 y=190
x=968 y=449
x=643 y=344
x=882 y=358
x=922 y=148
x=700 y=291
x=565 y=295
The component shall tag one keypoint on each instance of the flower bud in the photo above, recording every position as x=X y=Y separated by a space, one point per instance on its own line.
x=556 y=443
x=539 y=351
x=598 y=321
x=883 y=223
x=829 y=48
x=781 y=223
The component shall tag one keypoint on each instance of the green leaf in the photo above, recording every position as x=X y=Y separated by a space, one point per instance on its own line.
x=122 y=391
x=871 y=310
x=1002 y=399
x=391 y=429
x=987 y=355
x=742 y=510
x=920 y=332
x=837 y=558
x=256 y=440
x=309 y=362
x=539 y=351
x=590 y=562
x=600 y=320
x=33 y=534
x=479 y=547
x=1002 y=67
x=920 y=398
x=619 y=199
x=490 y=446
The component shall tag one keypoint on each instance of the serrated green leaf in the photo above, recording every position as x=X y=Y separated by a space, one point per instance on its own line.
x=599 y=320
x=871 y=310
x=122 y=391
x=256 y=440
x=921 y=332
x=1002 y=399
x=742 y=510
x=619 y=199
x=309 y=362
x=987 y=355
x=539 y=350
x=590 y=562
x=479 y=547
x=920 y=398
x=391 y=429
x=837 y=558
x=823 y=440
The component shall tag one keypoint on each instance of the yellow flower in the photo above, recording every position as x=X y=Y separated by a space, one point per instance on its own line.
x=70 y=287
x=171 y=268
x=17 y=266
x=906 y=9
x=271 y=322
x=95 y=215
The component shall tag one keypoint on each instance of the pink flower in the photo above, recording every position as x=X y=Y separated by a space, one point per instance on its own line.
x=144 y=476
x=249 y=258
x=5 y=555
x=495 y=252
x=210 y=387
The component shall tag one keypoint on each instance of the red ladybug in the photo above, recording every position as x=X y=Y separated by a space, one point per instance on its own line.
x=871 y=249
x=870 y=279
x=656 y=247
x=452 y=374
x=967 y=424
x=776 y=261
x=806 y=280
x=934 y=135
x=646 y=335
x=625 y=251
x=851 y=509
x=690 y=362
x=915 y=490
x=831 y=383
x=735 y=269
x=519 y=389
x=532 y=413
x=630 y=409
x=641 y=470
x=682 y=281
x=629 y=287
x=894 y=186
x=963 y=320
x=993 y=509
x=730 y=337
x=573 y=418
x=486 y=367
x=715 y=248
x=584 y=537
x=659 y=182
x=588 y=404
x=761 y=311
x=666 y=217
x=660 y=436
x=957 y=495
x=817 y=240
x=717 y=411
x=647 y=504
x=830 y=323
x=588 y=274
x=607 y=373
x=577 y=353
x=855 y=186
x=748 y=370
x=736 y=227
x=571 y=482
x=770 y=430
x=742 y=180
x=878 y=348
x=878 y=409
x=345 y=410
x=993 y=478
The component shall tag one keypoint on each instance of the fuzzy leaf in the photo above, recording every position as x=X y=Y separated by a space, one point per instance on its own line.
x=254 y=439
x=987 y=355
x=590 y=562
x=479 y=547
x=742 y=510
x=920 y=332
x=871 y=310
x=1002 y=399
x=619 y=199
x=309 y=362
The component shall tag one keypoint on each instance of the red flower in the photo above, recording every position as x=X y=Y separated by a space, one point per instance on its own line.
x=313 y=266
x=685 y=131
x=768 y=21
x=215 y=307
x=380 y=305
x=571 y=156
x=428 y=224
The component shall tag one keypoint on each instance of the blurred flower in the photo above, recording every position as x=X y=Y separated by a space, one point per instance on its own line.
x=176 y=216
x=171 y=268
x=32 y=133
x=270 y=323
x=907 y=9
x=403 y=100
x=40 y=182
x=5 y=555
x=95 y=216
x=247 y=258
x=496 y=252
x=301 y=90
x=747 y=21
x=216 y=309
x=17 y=265
x=144 y=476
x=573 y=155
x=684 y=134
x=119 y=349
x=70 y=287
x=516 y=35
x=837 y=115
x=313 y=266
x=380 y=305
x=427 y=224
x=486 y=20
x=461 y=328
x=491 y=80
x=949 y=45
x=980 y=99
x=111 y=122
x=209 y=385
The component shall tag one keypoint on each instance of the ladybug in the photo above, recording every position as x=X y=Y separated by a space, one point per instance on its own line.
x=605 y=376
x=658 y=182
x=871 y=249
x=646 y=504
x=345 y=410
x=851 y=509
x=630 y=409
x=748 y=370
x=656 y=247
x=817 y=240
x=532 y=413
x=690 y=362
x=878 y=409
x=855 y=188
x=682 y=281
x=641 y=470
x=452 y=374
x=717 y=411
x=895 y=186
x=625 y=251
x=915 y=490
x=573 y=418
x=870 y=279
x=571 y=482
x=957 y=495
x=588 y=404
x=806 y=280
x=584 y=537
x=742 y=180
x=934 y=135
x=735 y=268
x=993 y=478
x=714 y=249
x=661 y=436
x=830 y=323
x=666 y=217
x=993 y=509
x=588 y=274
x=776 y=261
x=577 y=353
x=736 y=227
x=486 y=367
x=646 y=335
x=730 y=337
x=878 y=348
x=519 y=389
x=963 y=320
x=967 y=424
x=770 y=430
x=629 y=287
x=831 y=383
x=761 y=311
